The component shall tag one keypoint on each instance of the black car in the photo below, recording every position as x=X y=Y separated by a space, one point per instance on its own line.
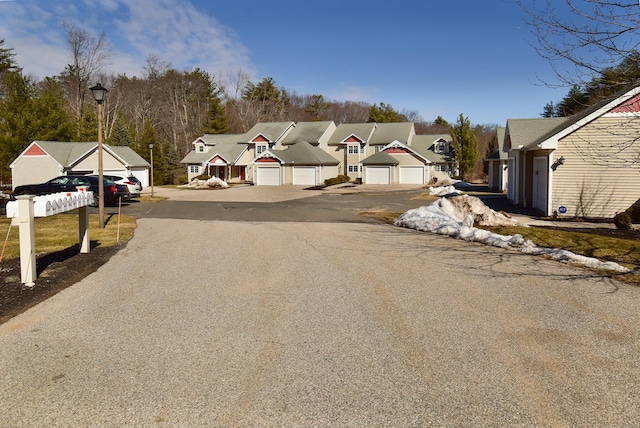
x=113 y=193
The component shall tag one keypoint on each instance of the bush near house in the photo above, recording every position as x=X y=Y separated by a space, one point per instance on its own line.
x=337 y=180
x=623 y=221
x=634 y=213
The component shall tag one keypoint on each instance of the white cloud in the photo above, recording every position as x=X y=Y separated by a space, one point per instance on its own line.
x=174 y=30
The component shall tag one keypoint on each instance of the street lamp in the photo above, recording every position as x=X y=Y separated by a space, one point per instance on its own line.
x=99 y=94
x=151 y=156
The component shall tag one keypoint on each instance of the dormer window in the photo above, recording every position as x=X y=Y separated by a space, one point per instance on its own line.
x=261 y=148
x=200 y=148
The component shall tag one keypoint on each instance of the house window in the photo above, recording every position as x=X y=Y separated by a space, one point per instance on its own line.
x=354 y=169
x=261 y=148
x=201 y=148
x=194 y=169
x=354 y=149
x=441 y=168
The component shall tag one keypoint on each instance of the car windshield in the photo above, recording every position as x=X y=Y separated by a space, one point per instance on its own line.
x=59 y=180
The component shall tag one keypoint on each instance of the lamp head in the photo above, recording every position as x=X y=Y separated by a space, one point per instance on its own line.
x=99 y=92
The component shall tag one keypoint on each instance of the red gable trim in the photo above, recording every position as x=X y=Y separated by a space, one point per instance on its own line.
x=352 y=139
x=260 y=139
x=35 y=150
x=397 y=150
x=217 y=160
x=632 y=105
x=267 y=160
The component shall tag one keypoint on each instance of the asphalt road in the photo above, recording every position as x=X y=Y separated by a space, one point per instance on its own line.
x=318 y=323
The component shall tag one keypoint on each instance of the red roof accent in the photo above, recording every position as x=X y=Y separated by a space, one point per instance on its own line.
x=35 y=150
x=632 y=105
x=265 y=160
x=217 y=158
x=397 y=150
x=352 y=139
x=260 y=139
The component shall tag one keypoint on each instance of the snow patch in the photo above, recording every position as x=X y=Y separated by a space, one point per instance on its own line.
x=457 y=215
x=213 y=182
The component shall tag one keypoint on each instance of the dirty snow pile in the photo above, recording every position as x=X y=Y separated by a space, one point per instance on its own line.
x=205 y=184
x=456 y=216
x=444 y=191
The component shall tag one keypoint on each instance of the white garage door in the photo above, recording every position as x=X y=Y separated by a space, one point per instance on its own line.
x=378 y=175
x=304 y=175
x=268 y=176
x=411 y=175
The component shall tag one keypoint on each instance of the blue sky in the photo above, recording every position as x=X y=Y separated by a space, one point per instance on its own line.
x=431 y=57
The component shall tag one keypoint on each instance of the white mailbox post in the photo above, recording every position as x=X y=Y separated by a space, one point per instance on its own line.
x=25 y=208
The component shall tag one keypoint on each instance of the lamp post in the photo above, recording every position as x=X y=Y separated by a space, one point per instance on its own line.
x=151 y=157
x=99 y=94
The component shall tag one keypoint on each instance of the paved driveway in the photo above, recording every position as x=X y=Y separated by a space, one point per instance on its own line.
x=254 y=323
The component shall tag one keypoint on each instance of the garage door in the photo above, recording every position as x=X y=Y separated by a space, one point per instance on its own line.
x=268 y=176
x=411 y=175
x=378 y=175
x=304 y=175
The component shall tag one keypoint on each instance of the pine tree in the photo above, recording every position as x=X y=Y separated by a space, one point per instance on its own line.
x=384 y=113
x=465 y=144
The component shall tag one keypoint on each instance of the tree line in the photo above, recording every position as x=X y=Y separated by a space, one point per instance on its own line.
x=171 y=107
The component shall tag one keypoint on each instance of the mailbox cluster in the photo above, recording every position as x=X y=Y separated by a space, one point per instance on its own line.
x=55 y=203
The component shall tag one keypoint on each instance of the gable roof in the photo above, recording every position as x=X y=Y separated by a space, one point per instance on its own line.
x=304 y=153
x=213 y=139
x=525 y=133
x=274 y=131
x=127 y=156
x=380 y=158
x=388 y=132
x=364 y=131
x=229 y=150
x=423 y=144
x=67 y=154
x=545 y=133
x=311 y=132
x=580 y=119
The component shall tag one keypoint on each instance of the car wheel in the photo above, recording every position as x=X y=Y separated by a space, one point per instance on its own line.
x=96 y=200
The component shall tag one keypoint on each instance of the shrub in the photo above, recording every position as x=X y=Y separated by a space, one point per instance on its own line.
x=622 y=221
x=634 y=213
x=204 y=177
x=337 y=180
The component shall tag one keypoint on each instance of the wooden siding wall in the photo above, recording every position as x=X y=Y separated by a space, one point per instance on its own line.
x=591 y=182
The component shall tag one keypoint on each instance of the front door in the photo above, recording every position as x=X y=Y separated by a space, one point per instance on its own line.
x=540 y=180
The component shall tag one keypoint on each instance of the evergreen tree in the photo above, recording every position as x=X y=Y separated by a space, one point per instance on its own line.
x=550 y=110
x=440 y=121
x=120 y=135
x=384 y=113
x=465 y=144
x=576 y=100
x=27 y=114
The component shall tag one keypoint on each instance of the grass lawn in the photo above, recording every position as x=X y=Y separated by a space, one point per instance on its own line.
x=60 y=231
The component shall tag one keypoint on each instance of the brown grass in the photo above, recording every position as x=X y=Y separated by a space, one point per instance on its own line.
x=60 y=231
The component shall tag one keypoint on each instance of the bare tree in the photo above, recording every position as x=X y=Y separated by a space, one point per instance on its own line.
x=582 y=39
x=89 y=54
